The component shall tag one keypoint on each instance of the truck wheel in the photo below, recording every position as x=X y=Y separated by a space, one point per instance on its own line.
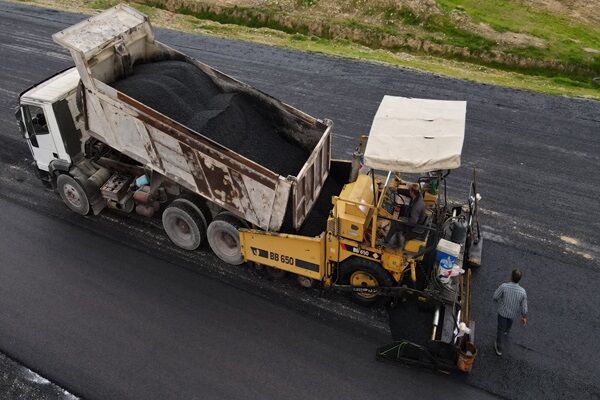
x=197 y=204
x=363 y=273
x=72 y=194
x=184 y=226
x=224 y=238
x=202 y=212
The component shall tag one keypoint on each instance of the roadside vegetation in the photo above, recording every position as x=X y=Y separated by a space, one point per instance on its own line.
x=552 y=46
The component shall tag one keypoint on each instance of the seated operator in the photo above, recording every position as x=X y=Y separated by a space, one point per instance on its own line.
x=415 y=214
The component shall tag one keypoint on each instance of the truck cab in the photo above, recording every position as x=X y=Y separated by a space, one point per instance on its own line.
x=46 y=119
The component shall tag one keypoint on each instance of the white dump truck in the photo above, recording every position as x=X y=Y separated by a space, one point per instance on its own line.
x=97 y=141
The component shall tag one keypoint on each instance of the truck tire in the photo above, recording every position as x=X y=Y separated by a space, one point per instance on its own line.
x=224 y=238
x=197 y=204
x=72 y=194
x=364 y=273
x=202 y=212
x=184 y=226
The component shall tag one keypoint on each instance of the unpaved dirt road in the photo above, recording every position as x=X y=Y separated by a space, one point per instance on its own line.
x=105 y=307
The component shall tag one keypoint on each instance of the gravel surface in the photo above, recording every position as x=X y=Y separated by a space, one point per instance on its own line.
x=537 y=159
x=236 y=120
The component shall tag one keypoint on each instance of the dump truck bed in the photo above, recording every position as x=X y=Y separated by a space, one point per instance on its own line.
x=232 y=144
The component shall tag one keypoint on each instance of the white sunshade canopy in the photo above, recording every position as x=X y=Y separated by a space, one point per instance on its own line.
x=416 y=135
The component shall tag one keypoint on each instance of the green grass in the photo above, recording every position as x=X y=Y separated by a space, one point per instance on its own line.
x=456 y=36
x=393 y=14
x=103 y=4
x=306 y=3
x=561 y=80
x=566 y=37
x=557 y=85
x=386 y=24
x=243 y=16
x=409 y=17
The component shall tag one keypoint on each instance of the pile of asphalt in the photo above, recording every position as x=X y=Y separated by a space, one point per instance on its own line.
x=234 y=119
x=316 y=221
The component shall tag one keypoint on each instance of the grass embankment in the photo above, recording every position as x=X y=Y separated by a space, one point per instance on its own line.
x=504 y=42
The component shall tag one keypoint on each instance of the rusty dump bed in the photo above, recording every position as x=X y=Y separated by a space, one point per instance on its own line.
x=230 y=143
x=237 y=118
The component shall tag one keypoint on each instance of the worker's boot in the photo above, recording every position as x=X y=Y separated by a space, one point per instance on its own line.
x=498 y=349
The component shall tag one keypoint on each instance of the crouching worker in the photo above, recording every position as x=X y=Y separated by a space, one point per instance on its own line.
x=399 y=233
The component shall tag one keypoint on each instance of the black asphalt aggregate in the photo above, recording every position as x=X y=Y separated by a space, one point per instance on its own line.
x=236 y=120
x=72 y=302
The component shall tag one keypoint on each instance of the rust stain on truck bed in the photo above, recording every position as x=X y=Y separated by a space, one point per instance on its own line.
x=198 y=142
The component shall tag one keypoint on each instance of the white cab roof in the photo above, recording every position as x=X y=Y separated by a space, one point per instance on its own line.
x=54 y=88
x=416 y=135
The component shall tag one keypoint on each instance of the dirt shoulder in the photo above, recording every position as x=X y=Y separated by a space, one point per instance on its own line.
x=543 y=38
x=549 y=46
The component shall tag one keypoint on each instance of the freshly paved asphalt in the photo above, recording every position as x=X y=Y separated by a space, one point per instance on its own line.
x=133 y=326
x=87 y=303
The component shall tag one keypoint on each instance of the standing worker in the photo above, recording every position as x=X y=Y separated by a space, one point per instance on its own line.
x=512 y=303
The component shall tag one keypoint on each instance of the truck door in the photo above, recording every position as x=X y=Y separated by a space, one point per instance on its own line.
x=38 y=136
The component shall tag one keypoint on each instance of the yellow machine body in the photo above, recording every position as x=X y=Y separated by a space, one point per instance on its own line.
x=354 y=208
x=300 y=255
x=352 y=230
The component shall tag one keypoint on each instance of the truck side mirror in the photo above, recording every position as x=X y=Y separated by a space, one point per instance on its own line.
x=19 y=117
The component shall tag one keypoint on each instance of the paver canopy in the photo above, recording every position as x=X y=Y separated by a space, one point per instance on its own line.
x=416 y=135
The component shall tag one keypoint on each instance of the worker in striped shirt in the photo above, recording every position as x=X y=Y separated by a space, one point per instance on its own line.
x=511 y=299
